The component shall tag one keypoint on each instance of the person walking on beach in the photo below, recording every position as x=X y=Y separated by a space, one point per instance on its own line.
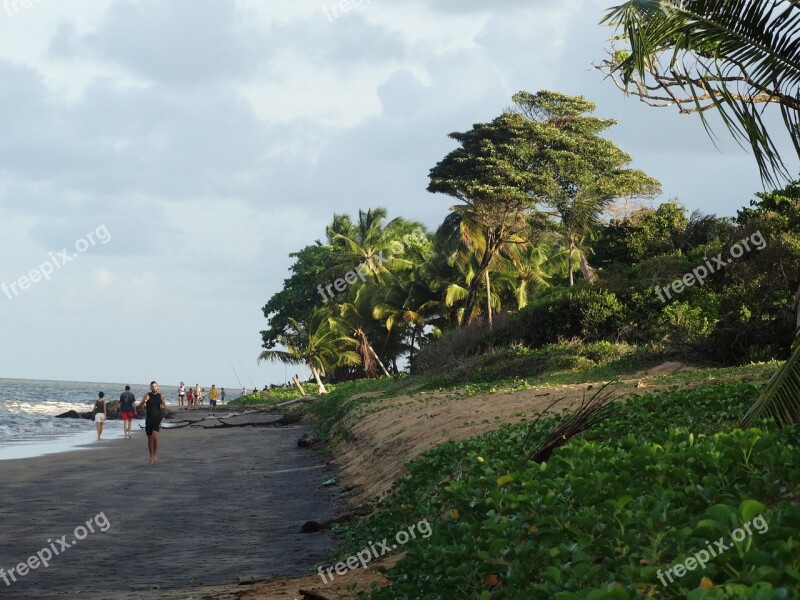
x=197 y=393
x=213 y=394
x=100 y=413
x=189 y=399
x=127 y=410
x=181 y=394
x=152 y=424
x=222 y=395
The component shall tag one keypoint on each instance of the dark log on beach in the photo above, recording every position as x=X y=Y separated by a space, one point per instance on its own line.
x=311 y=595
x=284 y=420
x=304 y=399
x=314 y=526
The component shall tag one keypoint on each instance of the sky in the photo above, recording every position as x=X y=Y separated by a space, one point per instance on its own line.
x=160 y=160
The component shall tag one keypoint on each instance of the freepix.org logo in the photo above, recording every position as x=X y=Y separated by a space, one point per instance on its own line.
x=54 y=262
x=13 y=7
x=55 y=547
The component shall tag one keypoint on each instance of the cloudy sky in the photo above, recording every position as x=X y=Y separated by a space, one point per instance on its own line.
x=179 y=150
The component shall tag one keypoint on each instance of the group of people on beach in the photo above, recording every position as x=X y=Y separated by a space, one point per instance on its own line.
x=154 y=405
x=193 y=397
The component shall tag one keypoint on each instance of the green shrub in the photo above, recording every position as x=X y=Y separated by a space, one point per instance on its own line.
x=635 y=495
x=585 y=313
x=683 y=326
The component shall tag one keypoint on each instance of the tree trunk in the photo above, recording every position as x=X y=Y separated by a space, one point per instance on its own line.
x=367 y=362
x=374 y=354
x=472 y=294
x=321 y=385
x=488 y=298
x=569 y=263
x=587 y=271
x=296 y=380
x=411 y=353
x=797 y=307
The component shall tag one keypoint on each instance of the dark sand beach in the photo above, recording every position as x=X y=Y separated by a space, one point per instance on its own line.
x=220 y=505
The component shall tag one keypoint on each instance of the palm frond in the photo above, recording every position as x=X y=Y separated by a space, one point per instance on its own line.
x=728 y=55
x=280 y=356
x=780 y=399
x=600 y=407
x=455 y=293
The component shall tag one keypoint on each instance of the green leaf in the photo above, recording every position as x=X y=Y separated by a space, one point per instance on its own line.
x=750 y=509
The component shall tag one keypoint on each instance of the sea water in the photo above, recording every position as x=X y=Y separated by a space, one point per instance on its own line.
x=28 y=409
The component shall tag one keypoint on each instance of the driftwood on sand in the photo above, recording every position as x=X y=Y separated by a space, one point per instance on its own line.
x=221 y=422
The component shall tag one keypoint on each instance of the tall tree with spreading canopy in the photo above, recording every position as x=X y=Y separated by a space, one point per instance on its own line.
x=578 y=173
x=544 y=152
x=731 y=56
x=300 y=292
x=490 y=174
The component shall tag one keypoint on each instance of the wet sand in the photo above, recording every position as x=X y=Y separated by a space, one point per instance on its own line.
x=220 y=505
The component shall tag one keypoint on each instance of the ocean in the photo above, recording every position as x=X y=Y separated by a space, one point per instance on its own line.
x=28 y=408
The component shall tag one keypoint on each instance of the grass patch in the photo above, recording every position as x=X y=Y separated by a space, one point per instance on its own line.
x=349 y=401
x=274 y=396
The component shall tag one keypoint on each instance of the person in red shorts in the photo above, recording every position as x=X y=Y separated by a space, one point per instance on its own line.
x=127 y=410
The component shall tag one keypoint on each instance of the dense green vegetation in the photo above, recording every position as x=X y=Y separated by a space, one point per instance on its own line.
x=742 y=312
x=637 y=494
x=523 y=263
x=735 y=58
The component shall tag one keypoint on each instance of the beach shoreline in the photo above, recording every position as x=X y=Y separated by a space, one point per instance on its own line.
x=221 y=505
x=56 y=443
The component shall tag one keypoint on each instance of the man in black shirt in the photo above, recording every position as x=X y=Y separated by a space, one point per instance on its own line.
x=127 y=410
x=152 y=423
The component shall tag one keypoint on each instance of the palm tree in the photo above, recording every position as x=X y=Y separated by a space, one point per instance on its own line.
x=579 y=214
x=469 y=252
x=521 y=271
x=315 y=344
x=356 y=319
x=410 y=303
x=726 y=55
x=369 y=242
x=433 y=278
